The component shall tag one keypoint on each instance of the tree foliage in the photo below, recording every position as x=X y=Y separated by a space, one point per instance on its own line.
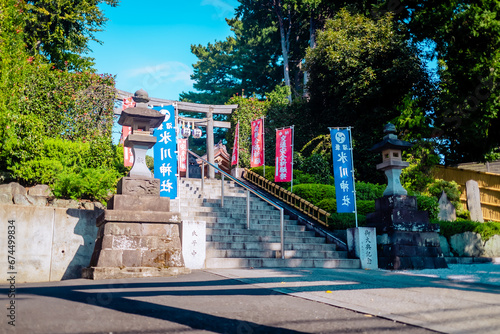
x=360 y=71
x=245 y=64
x=53 y=123
x=464 y=38
x=60 y=30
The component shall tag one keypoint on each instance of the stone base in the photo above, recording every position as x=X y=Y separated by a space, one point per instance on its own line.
x=399 y=213
x=138 y=186
x=138 y=245
x=401 y=250
x=99 y=273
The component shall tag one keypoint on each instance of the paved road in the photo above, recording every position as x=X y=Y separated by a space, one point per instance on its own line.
x=256 y=301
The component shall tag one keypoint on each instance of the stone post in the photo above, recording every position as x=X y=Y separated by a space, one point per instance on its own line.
x=474 y=201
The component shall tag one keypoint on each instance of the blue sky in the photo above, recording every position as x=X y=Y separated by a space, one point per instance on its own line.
x=146 y=43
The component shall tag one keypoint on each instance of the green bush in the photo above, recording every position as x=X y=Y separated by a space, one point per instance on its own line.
x=328 y=204
x=486 y=230
x=451 y=188
x=319 y=167
x=453 y=192
x=314 y=193
x=342 y=221
x=68 y=167
x=365 y=207
x=369 y=191
x=429 y=204
x=298 y=176
x=87 y=183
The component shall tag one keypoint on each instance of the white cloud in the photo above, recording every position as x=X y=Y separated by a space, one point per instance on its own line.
x=165 y=80
x=224 y=8
x=169 y=71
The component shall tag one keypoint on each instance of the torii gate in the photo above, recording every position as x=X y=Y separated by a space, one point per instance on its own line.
x=207 y=122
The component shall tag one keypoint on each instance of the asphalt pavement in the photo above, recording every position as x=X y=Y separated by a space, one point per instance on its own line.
x=257 y=301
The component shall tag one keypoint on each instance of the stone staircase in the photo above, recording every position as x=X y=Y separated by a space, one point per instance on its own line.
x=231 y=245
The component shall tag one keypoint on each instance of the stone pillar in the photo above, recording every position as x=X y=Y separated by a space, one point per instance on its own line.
x=447 y=211
x=474 y=201
x=210 y=143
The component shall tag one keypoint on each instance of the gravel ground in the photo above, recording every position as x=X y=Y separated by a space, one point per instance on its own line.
x=485 y=273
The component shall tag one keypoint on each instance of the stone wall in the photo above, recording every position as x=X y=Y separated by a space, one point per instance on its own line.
x=470 y=244
x=40 y=195
x=54 y=239
x=52 y=244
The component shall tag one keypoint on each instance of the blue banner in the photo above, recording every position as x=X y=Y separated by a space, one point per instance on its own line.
x=343 y=170
x=164 y=153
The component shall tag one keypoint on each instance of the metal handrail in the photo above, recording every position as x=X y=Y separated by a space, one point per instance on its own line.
x=288 y=197
x=249 y=190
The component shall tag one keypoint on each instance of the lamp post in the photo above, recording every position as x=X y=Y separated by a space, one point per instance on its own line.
x=392 y=163
x=141 y=119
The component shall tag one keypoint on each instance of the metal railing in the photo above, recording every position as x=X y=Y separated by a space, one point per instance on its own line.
x=288 y=197
x=248 y=191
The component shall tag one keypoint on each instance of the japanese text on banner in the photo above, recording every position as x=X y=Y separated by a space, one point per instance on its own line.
x=284 y=155
x=257 y=157
x=182 y=154
x=128 y=158
x=165 y=153
x=234 y=158
x=343 y=170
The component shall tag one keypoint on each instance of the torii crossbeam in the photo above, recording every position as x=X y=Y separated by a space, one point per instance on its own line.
x=208 y=121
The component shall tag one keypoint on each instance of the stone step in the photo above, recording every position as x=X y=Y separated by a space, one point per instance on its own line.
x=220 y=263
x=270 y=246
x=197 y=187
x=244 y=231
x=231 y=245
x=301 y=254
x=242 y=216
x=263 y=238
x=275 y=215
x=231 y=220
x=241 y=210
x=260 y=227
x=228 y=207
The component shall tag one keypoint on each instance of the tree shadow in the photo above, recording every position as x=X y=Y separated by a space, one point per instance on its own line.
x=123 y=295
x=85 y=227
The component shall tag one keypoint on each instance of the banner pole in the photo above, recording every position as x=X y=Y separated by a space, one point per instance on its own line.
x=264 y=146
x=238 y=151
x=353 y=181
x=293 y=136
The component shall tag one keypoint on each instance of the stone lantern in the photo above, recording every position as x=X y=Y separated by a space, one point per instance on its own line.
x=138 y=236
x=392 y=164
x=405 y=238
x=141 y=119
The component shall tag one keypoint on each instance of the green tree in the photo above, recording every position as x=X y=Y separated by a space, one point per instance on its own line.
x=246 y=63
x=464 y=37
x=60 y=30
x=360 y=71
x=55 y=125
x=248 y=110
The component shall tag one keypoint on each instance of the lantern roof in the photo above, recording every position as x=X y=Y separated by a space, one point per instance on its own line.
x=390 y=140
x=141 y=112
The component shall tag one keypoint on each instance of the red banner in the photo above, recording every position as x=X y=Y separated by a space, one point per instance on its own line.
x=182 y=154
x=257 y=157
x=128 y=158
x=284 y=155
x=236 y=148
